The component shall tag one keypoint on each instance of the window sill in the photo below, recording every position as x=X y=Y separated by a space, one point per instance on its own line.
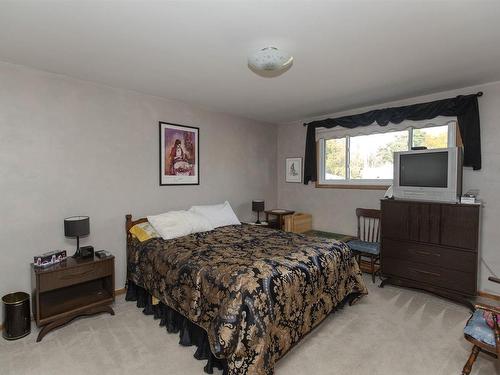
x=352 y=186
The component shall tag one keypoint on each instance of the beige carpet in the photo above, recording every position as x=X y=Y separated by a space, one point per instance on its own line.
x=391 y=331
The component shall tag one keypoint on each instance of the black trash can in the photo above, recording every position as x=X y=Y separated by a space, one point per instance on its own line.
x=16 y=315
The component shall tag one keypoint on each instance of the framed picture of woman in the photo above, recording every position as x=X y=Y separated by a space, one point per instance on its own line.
x=293 y=170
x=179 y=154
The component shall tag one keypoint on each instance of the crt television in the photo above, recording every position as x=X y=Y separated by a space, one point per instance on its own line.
x=431 y=175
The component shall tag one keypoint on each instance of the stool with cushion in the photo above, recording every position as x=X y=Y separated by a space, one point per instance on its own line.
x=367 y=244
x=482 y=330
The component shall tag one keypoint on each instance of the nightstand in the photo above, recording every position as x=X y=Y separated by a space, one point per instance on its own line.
x=261 y=224
x=329 y=235
x=75 y=287
x=280 y=214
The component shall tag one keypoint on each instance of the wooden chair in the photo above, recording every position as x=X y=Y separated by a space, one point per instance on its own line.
x=368 y=242
x=483 y=338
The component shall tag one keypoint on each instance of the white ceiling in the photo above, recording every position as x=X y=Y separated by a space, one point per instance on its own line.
x=347 y=53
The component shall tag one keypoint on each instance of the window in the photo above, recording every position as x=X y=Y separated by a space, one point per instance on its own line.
x=370 y=156
x=435 y=137
x=368 y=159
x=335 y=159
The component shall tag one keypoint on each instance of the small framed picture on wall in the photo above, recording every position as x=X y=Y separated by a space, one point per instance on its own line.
x=293 y=170
x=179 y=154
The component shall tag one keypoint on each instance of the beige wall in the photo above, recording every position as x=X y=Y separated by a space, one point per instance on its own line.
x=72 y=147
x=333 y=209
x=69 y=147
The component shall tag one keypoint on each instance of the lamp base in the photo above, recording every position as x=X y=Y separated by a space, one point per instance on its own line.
x=258 y=218
x=77 y=253
x=84 y=252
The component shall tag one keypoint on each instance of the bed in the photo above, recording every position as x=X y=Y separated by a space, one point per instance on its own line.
x=243 y=293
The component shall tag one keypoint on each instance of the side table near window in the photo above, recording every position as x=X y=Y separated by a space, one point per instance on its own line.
x=364 y=266
x=261 y=224
x=280 y=217
x=75 y=287
x=330 y=235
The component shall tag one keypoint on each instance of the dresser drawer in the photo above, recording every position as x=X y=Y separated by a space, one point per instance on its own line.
x=445 y=257
x=462 y=282
x=66 y=277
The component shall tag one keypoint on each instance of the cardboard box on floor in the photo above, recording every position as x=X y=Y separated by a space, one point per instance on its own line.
x=298 y=222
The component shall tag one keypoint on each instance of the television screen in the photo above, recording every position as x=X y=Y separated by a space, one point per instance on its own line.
x=424 y=169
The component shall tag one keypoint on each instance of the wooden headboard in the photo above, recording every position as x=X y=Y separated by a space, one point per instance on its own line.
x=129 y=223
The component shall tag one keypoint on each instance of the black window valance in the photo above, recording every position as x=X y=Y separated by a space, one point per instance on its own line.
x=464 y=107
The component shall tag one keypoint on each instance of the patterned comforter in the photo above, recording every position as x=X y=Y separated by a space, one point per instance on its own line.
x=256 y=291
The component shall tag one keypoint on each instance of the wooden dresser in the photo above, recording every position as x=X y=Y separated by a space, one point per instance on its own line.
x=431 y=246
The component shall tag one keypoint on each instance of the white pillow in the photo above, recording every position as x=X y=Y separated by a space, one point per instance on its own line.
x=199 y=223
x=175 y=224
x=171 y=224
x=219 y=215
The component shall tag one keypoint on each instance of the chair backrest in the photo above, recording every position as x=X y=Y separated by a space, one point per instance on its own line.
x=368 y=224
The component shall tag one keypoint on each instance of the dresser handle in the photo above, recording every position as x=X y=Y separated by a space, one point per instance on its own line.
x=73 y=275
x=427 y=272
x=427 y=253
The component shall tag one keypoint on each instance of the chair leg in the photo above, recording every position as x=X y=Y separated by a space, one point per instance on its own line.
x=472 y=358
x=372 y=262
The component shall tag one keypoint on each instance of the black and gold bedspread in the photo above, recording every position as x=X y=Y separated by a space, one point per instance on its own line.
x=256 y=291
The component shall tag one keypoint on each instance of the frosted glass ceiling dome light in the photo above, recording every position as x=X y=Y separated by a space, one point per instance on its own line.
x=270 y=59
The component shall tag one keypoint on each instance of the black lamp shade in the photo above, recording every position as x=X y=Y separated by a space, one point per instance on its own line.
x=76 y=226
x=258 y=206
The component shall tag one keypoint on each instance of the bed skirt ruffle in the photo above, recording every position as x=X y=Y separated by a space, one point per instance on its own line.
x=190 y=334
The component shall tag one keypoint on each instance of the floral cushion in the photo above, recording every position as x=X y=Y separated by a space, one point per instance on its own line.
x=488 y=316
x=478 y=329
x=365 y=247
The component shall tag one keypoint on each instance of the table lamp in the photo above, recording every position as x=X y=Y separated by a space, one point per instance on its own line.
x=258 y=206
x=77 y=226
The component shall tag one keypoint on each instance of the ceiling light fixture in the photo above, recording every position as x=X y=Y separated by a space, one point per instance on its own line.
x=269 y=59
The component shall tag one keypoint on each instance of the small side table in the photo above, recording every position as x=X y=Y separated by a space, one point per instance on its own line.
x=75 y=287
x=280 y=214
x=329 y=235
x=364 y=266
x=261 y=224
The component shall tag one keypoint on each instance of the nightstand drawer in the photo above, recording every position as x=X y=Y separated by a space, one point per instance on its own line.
x=74 y=275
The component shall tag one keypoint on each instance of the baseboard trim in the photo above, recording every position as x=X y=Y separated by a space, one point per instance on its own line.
x=492 y=296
